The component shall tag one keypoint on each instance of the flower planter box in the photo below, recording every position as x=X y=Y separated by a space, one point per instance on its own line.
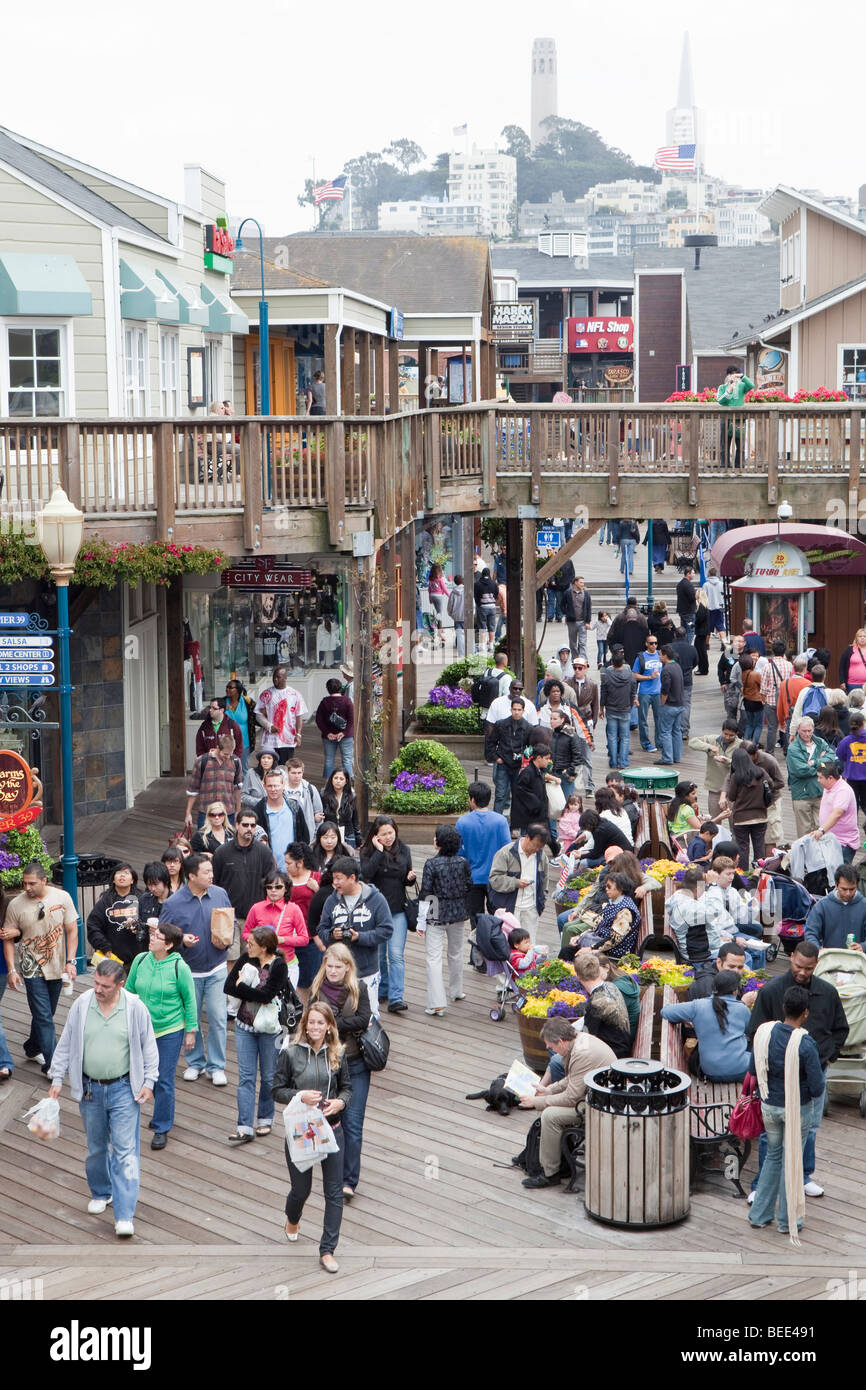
x=425 y=826
x=469 y=748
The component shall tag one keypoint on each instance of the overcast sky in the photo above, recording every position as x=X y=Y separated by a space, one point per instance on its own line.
x=257 y=89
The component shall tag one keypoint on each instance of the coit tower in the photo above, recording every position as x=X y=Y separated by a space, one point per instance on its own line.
x=543 y=87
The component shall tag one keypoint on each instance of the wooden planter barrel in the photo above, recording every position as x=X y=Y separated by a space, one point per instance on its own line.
x=534 y=1051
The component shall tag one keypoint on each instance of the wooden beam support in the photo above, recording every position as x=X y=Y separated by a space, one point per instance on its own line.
x=363 y=340
x=423 y=373
x=579 y=538
x=362 y=665
x=164 y=471
x=336 y=482
x=332 y=367
x=251 y=474
x=347 y=372
x=613 y=421
x=379 y=372
x=512 y=592
x=855 y=465
x=772 y=450
x=537 y=425
x=467 y=564
x=407 y=581
x=391 y=730
x=529 y=550
x=393 y=378
x=176 y=694
x=70 y=463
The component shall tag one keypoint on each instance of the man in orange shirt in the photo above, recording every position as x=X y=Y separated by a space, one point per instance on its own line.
x=788 y=692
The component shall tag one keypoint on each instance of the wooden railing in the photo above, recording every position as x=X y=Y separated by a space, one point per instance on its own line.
x=396 y=466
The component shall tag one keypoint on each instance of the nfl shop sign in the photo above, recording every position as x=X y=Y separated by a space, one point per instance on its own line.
x=600 y=335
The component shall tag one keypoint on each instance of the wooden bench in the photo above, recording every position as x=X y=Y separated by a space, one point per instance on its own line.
x=643 y=1038
x=710 y=1103
x=659 y=832
x=642 y=836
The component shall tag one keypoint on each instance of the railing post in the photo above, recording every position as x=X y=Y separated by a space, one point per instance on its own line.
x=529 y=549
x=336 y=476
x=691 y=436
x=390 y=721
x=163 y=455
x=772 y=447
x=614 y=420
x=488 y=459
x=536 y=424
x=70 y=462
x=433 y=460
x=855 y=463
x=252 y=483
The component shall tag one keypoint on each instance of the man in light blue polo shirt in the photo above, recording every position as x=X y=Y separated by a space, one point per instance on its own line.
x=647 y=667
x=277 y=817
x=190 y=909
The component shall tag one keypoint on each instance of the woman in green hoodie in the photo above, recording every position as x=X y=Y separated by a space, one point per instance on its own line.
x=164 y=984
x=732 y=394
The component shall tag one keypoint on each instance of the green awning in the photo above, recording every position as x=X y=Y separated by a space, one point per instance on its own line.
x=224 y=317
x=192 y=310
x=40 y=285
x=143 y=295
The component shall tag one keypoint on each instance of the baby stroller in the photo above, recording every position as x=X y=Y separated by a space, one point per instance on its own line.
x=785 y=905
x=846 y=970
x=488 y=953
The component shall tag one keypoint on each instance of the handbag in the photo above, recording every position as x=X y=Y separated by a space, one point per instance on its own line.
x=374 y=1046
x=768 y=793
x=337 y=721
x=555 y=799
x=290 y=1007
x=411 y=910
x=746 y=1119
x=222 y=927
x=267 y=1019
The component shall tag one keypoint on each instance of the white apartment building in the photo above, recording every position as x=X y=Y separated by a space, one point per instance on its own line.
x=626 y=196
x=684 y=224
x=435 y=217
x=486 y=177
x=740 y=224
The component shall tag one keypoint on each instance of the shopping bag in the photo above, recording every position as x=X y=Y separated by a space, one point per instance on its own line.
x=267 y=1019
x=555 y=800
x=308 y=1135
x=222 y=927
x=44 y=1118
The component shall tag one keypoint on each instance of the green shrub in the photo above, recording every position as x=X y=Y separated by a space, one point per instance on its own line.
x=501 y=647
x=426 y=755
x=466 y=667
x=28 y=845
x=435 y=719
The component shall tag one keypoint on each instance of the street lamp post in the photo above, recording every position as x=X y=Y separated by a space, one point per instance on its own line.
x=264 y=346
x=61 y=530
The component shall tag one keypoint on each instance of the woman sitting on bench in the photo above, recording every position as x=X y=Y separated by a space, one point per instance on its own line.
x=720 y=1028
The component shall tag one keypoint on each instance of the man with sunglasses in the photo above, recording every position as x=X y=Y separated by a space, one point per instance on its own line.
x=647 y=668
x=41 y=929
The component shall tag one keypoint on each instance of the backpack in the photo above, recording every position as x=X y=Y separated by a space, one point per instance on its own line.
x=571 y=1153
x=485 y=690
x=816 y=699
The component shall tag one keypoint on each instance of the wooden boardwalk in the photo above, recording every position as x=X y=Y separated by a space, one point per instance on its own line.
x=440 y=1214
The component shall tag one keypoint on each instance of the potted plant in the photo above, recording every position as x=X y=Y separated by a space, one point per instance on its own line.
x=426 y=781
x=551 y=990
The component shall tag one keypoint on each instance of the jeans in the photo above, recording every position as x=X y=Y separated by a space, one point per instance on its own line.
x=771 y=720
x=346 y=746
x=353 y=1120
x=688 y=622
x=754 y=724
x=670 y=733
x=687 y=710
x=617 y=739
x=111 y=1117
x=626 y=557
x=168 y=1047
x=601 y=652
x=577 y=638
x=255 y=1051
x=503 y=784
x=391 y=968
x=770 y=1186
x=209 y=992
x=645 y=703
x=754 y=835
x=848 y=854
x=717 y=528
x=452 y=936
x=331 y=1169
x=309 y=960
x=460 y=638
x=42 y=997
x=5 y=1056
x=500 y=627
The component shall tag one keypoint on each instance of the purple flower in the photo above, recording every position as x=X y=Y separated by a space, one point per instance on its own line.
x=417 y=781
x=451 y=697
x=8 y=861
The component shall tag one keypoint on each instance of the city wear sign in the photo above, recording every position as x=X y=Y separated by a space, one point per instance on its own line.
x=250 y=577
x=600 y=335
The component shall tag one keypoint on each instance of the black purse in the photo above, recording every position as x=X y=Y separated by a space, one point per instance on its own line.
x=411 y=910
x=337 y=721
x=374 y=1046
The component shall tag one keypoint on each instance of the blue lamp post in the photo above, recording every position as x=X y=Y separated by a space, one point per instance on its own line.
x=264 y=347
x=61 y=531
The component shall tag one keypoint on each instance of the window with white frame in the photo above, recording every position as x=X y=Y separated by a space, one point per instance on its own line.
x=135 y=369
x=34 y=370
x=852 y=370
x=213 y=369
x=169 y=373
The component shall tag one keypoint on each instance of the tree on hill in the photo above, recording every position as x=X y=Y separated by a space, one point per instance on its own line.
x=405 y=153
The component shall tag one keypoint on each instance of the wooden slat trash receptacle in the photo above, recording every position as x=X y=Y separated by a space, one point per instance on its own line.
x=637 y=1144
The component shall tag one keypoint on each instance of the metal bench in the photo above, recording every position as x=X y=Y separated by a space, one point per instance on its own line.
x=710 y=1105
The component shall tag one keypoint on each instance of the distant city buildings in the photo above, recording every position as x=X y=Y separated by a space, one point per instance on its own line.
x=436 y=217
x=485 y=177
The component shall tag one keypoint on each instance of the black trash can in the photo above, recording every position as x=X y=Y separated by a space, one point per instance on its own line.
x=637 y=1144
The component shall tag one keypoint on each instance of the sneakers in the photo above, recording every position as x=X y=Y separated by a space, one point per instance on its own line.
x=750 y=1199
x=191 y=1074
x=124 y=1229
x=456 y=997
x=542 y=1181
x=37 y=1057
x=96 y=1206
x=812 y=1189
x=219 y=1078
x=435 y=1013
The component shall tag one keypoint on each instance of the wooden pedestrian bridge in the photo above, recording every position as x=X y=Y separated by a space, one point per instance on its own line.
x=295 y=485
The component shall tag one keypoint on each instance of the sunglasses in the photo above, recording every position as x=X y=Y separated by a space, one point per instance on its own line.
x=217 y=815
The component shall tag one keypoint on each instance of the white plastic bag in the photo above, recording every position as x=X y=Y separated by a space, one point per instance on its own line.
x=308 y=1134
x=44 y=1119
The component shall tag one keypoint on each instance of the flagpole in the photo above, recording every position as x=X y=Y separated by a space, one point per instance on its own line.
x=351 y=200
x=315 y=209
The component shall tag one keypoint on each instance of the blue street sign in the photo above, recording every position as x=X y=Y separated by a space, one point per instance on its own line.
x=11 y=667
x=26 y=654
x=26 y=680
x=45 y=640
x=14 y=619
x=549 y=539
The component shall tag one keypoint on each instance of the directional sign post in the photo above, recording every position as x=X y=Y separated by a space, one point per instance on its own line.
x=45 y=641
x=549 y=539
x=13 y=668
x=25 y=679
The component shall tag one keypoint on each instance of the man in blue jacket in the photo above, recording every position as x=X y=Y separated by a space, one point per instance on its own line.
x=482 y=832
x=839 y=915
x=358 y=916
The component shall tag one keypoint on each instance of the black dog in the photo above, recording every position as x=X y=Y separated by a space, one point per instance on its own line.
x=498 y=1097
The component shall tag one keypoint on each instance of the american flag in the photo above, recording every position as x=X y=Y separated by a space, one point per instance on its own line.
x=330 y=192
x=676 y=157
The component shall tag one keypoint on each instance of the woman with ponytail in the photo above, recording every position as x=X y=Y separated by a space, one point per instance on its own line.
x=720 y=1024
